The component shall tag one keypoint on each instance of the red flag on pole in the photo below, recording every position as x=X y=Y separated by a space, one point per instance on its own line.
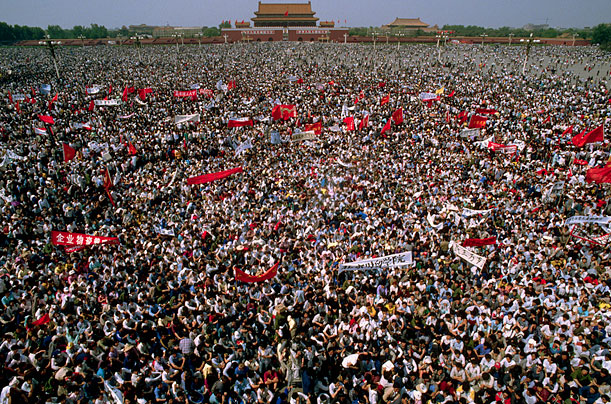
x=364 y=122
x=286 y=13
x=385 y=99
x=397 y=116
x=91 y=106
x=47 y=119
x=316 y=127
x=477 y=122
x=386 y=126
x=10 y=97
x=596 y=135
x=349 y=121
x=599 y=175
x=69 y=152
x=239 y=122
x=132 y=149
x=568 y=130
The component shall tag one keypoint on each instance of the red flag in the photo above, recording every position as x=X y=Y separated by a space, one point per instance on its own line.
x=109 y=89
x=17 y=107
x=547 y=119
x=144 y=91
x=386 y=126
x=202 y=179
x=300 y=81
x=364 y=122
x=69 y=152
x=381 y=84
x=284 y=111
x=580 y=162
x=239 y=122
x=451 y=94
x=489 y=111
x=385 y=99
x=124 y=97
x=231 y=85
x=568 y=130
x=349 y=121
x=316 y=127
x=596 y=135
x=479 y=242
x=43 y=320
x=10 y=97
x=132 y=150
x=91 y=106
x=107 y=179
x=267 y=275
x=397 y=116
x=462 y=117
x=286 y=13
x=477 y=122
x=599 y=175
x=47 y=119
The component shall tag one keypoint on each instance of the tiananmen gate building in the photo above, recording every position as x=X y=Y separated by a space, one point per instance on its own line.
x=285 y=22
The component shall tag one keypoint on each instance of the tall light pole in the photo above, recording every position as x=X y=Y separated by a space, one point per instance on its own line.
x=483 y=36
x=510 y=36
x=345 y=39
x=199 y=39
x=138 y=44
x=51 y=45
x=399 y=35
x=82 y=38
x=574 y=36
x=225 y=36
x=528 y=44
x=438 y=36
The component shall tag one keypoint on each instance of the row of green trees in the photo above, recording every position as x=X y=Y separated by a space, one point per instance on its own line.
x=601 y=34
x=11 y=33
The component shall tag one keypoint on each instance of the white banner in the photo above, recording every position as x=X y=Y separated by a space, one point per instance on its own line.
x=428 y=96
x=602 y=220
x=243 y=147
x=431 y=221
x=106 y=103
x=186 y=118
x=307 y=135
x=475 y=132
x=18 y=97
x=341 y=163
x=472 y=258
x=390 y=261
x=274 y=137
x=93 y=90
x=472 y=212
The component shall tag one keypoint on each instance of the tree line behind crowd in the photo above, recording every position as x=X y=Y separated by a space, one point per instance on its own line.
x=601 y=34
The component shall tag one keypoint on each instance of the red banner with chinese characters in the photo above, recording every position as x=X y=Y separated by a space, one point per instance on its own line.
x=80 y=240
x=267 y=275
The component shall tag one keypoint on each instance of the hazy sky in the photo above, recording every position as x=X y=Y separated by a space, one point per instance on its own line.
x=357 y=13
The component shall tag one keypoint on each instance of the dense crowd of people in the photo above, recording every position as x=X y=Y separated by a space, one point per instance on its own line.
x=160 y=317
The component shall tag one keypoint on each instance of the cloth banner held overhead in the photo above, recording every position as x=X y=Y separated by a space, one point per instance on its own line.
x=497 y=147
x=601 y=220
x=428 y=96
x=472 y=258
x=186 y=118
x=182 y=94
x=267 y=275
x=45 y=89
x=307 y=135
x=479 y=242
x=472 y=212
x=274 y=137
x=389 y=261
x=78 y=239
x=239 y=122
x=93 y=90
x=202 y=179
x=106 y=103
x=475 y=132
x=243 y=147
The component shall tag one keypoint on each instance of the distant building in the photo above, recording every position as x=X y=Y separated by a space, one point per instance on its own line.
x=535 y=27
x=142 y=29
x=167 y=31
x=285 y=22
x=410 y=24
x=242 y=24
x=285 y=15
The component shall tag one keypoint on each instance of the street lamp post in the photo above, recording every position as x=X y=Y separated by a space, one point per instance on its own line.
x=399 y=35
x=374 y=35
x=51 y=46
x=483 y=36
x=199 y=39
x=225 y=36
x=438 y=36
x=528 y=44
x=82 y=38
x=510 y=36
x=138 y=45
x=345 y=39
x=574 y=36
